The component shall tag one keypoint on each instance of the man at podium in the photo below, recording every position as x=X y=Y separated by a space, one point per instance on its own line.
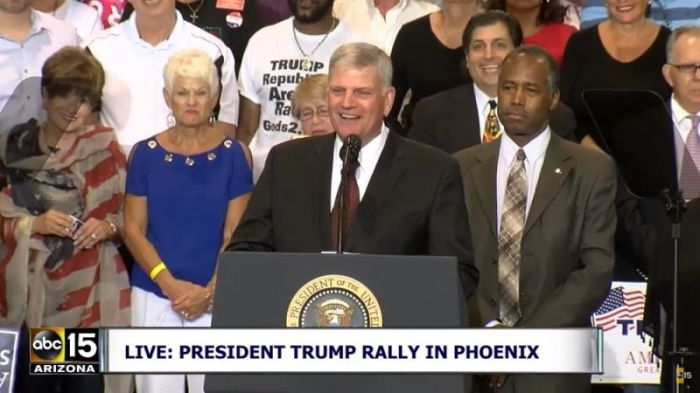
x=401 y=197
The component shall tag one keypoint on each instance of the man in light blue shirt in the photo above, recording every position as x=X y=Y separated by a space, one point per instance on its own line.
x=27 y=39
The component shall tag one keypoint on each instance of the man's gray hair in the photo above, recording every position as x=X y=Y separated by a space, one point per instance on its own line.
x=693 y=30
x=191 y=63
x=360 y=55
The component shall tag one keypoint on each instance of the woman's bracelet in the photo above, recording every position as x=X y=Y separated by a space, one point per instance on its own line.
x=210 y=297
x=112 y=226
x=156 y=270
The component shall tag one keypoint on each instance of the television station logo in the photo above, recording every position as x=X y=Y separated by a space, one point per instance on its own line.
x=56 y=350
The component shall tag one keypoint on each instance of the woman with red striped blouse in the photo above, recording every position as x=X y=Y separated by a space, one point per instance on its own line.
x=60 y=208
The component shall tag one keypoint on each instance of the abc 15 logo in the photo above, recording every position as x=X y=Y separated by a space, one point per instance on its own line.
x=56 y=345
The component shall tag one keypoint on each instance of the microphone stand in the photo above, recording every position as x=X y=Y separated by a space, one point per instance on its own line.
x=351 y=148
x=675 y=207
x=635 y=125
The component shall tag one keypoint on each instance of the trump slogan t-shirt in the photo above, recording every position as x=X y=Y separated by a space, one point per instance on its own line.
x=273 y=64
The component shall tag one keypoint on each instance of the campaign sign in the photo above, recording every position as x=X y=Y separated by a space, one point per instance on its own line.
x=628 y=356
x=8 y=351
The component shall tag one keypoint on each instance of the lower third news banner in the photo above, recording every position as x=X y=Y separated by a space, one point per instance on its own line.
x=201 y=350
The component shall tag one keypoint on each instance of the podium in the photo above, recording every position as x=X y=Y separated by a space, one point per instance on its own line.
x=261 y=290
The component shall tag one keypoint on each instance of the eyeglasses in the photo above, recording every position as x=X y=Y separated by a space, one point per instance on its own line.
x=687 y=69
x=307 y=114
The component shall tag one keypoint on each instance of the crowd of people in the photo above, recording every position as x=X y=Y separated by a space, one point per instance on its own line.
x=133 y=155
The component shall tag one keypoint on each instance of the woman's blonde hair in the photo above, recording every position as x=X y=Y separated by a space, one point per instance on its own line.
x=191 y=63
x=312 y=88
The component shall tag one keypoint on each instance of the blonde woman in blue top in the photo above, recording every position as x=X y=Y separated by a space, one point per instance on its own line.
x=186 y=190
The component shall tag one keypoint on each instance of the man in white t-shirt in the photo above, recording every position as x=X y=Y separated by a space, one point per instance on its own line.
x=27 y=39
x=381 y=19
x=133 y=54
x=276 y=59
x=83 y=17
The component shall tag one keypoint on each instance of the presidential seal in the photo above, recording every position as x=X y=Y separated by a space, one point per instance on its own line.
x=334 y=301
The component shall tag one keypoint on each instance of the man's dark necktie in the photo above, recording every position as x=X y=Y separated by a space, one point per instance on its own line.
x=352 y=199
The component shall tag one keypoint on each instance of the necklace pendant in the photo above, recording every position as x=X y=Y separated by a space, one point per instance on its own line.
x=194 y=11
x=306 y=64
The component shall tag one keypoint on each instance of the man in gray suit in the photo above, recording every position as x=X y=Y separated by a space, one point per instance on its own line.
x=543 y=218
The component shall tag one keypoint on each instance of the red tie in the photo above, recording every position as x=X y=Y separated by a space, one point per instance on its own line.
x=352 y=199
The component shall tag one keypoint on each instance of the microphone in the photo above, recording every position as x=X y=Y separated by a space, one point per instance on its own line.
x=349 y=154
x=350 y=151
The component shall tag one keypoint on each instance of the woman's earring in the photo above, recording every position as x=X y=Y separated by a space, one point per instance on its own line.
x=212 y=120
x=170 y=120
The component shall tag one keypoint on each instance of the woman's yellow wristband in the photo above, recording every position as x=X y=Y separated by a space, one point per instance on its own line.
x=156 y=270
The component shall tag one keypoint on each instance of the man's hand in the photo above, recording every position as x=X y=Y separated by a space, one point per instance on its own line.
x=496 y=381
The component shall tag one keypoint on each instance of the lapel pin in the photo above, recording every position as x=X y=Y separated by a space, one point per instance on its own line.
x=557 y=171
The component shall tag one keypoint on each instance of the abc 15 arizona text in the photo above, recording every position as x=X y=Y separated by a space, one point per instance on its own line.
x=55 y=350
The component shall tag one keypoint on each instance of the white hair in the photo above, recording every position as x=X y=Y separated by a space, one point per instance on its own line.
x=191 y=63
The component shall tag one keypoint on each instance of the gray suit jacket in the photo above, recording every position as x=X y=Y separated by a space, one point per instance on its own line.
x=567 y=248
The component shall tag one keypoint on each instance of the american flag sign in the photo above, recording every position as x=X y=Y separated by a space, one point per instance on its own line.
x=620 y=304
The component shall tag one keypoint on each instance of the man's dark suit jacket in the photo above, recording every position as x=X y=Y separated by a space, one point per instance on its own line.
x=644 y=235
x=413 y=204
x=450 y=120
x=567 y=246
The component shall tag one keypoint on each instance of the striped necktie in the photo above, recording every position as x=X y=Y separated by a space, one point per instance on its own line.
x=690 y=171
x=509 y=240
